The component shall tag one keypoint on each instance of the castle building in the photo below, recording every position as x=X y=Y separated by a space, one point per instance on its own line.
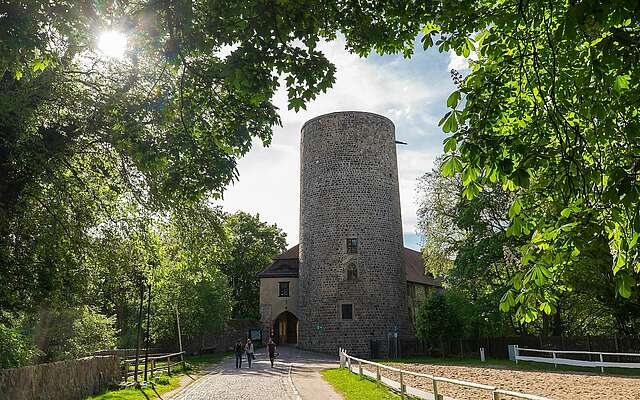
x=350 y=282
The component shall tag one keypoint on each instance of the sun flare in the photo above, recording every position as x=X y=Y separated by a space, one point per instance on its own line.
x=112 y=44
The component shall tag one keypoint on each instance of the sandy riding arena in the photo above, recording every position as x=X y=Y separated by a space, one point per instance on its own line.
x=555 y=385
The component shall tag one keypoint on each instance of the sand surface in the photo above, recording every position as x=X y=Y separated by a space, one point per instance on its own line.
x=555 y=385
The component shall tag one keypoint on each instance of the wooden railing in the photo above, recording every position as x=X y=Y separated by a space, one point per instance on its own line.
x=555 y=360
x=153 y=364
x=346 y=361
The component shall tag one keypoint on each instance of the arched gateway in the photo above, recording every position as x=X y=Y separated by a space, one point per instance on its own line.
x=285 y=328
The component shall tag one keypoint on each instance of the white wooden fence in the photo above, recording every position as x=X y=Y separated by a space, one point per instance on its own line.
x=347 y=361
x=555 y=360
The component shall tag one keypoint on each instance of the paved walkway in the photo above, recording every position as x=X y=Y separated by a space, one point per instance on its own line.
x=295 y=376
x=305 y=374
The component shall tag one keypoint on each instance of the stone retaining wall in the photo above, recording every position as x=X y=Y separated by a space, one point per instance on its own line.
x=234 y=330
x=62 y=380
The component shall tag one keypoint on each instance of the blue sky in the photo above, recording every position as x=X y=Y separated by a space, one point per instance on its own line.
x=412 y=93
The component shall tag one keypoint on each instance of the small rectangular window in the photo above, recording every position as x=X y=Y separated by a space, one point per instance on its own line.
x=347 y=311
x=352 y=246
x=283 y=289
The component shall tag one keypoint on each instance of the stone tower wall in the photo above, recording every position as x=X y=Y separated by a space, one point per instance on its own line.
x=349 y=189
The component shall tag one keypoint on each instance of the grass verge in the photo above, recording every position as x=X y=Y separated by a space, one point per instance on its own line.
x=352 y=387
x=506 y=364
x=162 y=383
x=197 y=362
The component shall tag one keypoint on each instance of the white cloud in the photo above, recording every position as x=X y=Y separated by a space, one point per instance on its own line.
x=460 y=63
x=269 y=177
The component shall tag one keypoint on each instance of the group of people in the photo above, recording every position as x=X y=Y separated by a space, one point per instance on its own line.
x=249 y=351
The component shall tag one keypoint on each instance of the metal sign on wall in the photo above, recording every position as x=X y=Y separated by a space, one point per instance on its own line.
x=255 y=335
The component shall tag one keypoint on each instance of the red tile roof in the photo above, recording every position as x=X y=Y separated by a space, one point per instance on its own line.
x=287 y=264
x=290 y=254
x=414 y=266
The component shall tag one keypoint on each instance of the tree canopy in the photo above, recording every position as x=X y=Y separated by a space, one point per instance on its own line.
x=467 y=242
x=101 y=158
x=84 y=135
x=437 y=320
x=254 y=244
x=549 y=110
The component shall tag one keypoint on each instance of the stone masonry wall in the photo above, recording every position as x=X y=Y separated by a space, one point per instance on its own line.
x=349 y=189
x=233 y=331
x=62 y=380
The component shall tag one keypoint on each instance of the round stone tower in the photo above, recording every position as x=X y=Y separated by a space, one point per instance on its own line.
x=352 y=275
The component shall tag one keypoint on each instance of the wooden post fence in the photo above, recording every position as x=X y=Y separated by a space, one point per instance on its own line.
x=401 y=387
x=178 y=358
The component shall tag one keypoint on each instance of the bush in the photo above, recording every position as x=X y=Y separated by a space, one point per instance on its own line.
x=438 y=319
x=16 y=349
x=92 y=331
x=73 y=333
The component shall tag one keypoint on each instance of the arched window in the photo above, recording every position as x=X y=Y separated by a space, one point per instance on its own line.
x=352 y=272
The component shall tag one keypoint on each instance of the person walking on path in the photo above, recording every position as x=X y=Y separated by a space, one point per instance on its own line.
x=238 y=351
x=271 y=347
x=248 y=348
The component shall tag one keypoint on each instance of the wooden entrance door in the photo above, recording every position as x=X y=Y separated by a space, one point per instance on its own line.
x=282 y=330
x=285 y=328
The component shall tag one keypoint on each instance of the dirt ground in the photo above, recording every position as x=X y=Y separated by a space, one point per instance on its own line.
x=555 y=385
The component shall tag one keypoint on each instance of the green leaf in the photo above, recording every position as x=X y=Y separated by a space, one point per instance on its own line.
x=469 y=174
x=451 y=166
x=444 y=119
x=453 y=99
x=575 y=253
x=493 y=175
x=507 y=301
x=472 y=191
x=539 y=276
x=297 y=104
x=634 y=240
x=625 y=284
x=430 y=27
x=521 y=177
x=40 y=65
x=451 y=124
x=468 y=47
x=18 y=75
x=481 y=37
x=621 y=83
x=515 y=229
x=515 y=208
x=621 y=261
x=527 y=258
x=546 y=308
x=450 y=144
x=427 y=41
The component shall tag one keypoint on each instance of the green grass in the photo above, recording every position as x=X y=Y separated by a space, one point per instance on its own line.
x=162 y=384
x=352 y=387
x=506 y=364
x=204 y=359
